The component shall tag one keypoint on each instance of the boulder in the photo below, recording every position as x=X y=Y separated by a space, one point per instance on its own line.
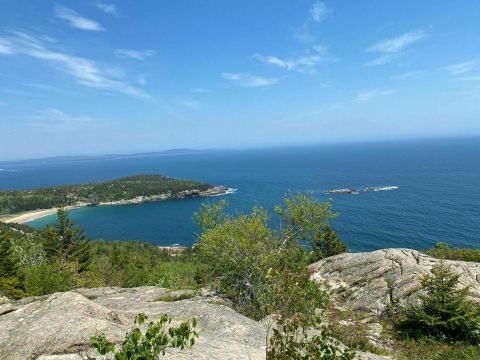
x=359 y=280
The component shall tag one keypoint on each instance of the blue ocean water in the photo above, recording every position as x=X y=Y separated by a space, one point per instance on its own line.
x=438 y=195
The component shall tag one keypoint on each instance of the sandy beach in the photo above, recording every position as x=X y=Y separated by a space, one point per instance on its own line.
x=37 y=214
x=32 y=215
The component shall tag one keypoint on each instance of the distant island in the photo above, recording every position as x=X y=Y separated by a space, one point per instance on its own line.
x=128 y=190
x=72 y=158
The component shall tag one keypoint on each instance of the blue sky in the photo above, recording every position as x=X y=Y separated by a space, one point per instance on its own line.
x=92 y=77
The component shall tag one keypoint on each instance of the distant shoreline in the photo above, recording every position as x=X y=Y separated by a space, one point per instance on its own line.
x=28 y=216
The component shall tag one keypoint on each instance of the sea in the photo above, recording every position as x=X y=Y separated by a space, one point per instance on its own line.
x=428 y=190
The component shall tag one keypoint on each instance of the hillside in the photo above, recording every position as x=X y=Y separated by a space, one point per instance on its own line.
x=128 y=189
x=66 y=320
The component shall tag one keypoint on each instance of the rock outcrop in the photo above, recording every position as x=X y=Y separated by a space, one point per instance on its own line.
x=59 y=326
x=359 y=280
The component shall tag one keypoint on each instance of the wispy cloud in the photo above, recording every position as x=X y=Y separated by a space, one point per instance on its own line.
x=200 y=90
x=369 y=95
x=5 y=47
x=389 y=49
x=409 y=75
x=359 y=99
x=318 y=11
x=461 y=68
x=248 y=80
x=109 y=9
x=304 y=63
x=85 y=71
x=191 y=104
x=75 y=20
x=55 y=120
x=134 y=54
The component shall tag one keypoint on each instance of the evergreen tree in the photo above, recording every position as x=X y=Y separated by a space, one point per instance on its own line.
x=10 y=283
x=326 y=243
x=66 y=241
x=446 y=312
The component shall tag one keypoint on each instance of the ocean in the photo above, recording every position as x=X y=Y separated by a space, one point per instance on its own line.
x=435 y=195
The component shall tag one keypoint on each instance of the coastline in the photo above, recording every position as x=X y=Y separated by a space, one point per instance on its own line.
x=34 y=214
x=22 y=218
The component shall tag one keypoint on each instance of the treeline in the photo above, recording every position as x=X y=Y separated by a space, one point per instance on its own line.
x=443 y=251
x=14 y=201
x=59 y=258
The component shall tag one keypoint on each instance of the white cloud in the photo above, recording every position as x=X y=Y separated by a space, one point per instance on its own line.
x=398 y=43
x=134 y=54
x=409 y=75
x=5 y=47
x=200 y=90
x=75 y=20
x=303 y=34
x=391 y=48
x=55 y=120
x=319 y=11
x=369 y=95
x=248 y=80
x=461 y=68
x=109 y=9
x=192 y=104
x=85 y=71
x=302 y=63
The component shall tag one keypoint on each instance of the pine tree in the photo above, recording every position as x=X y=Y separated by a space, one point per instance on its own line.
x=327 y=243
x=10 y=283
x=446 y=312
x=66 y=241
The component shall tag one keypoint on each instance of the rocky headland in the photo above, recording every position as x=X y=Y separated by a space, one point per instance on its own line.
x=185 y=194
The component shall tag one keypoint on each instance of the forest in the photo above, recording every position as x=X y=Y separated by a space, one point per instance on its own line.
x=15 y=201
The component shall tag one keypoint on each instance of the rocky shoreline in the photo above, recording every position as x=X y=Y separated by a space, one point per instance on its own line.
x=216 y=190
x=186 y=194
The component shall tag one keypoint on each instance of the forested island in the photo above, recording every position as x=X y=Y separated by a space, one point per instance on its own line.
x=131 y=189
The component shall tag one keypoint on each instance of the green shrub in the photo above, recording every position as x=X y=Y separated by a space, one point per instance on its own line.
x=295 y=339
x=430 y=349
x=443 y=251
x=48 y=278
x=175 y=297
x=445 y=312
x=152 y=343
x=260 y=270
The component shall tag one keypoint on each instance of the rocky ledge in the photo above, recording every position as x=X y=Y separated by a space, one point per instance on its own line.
x=58 y=327
x=359 y=280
